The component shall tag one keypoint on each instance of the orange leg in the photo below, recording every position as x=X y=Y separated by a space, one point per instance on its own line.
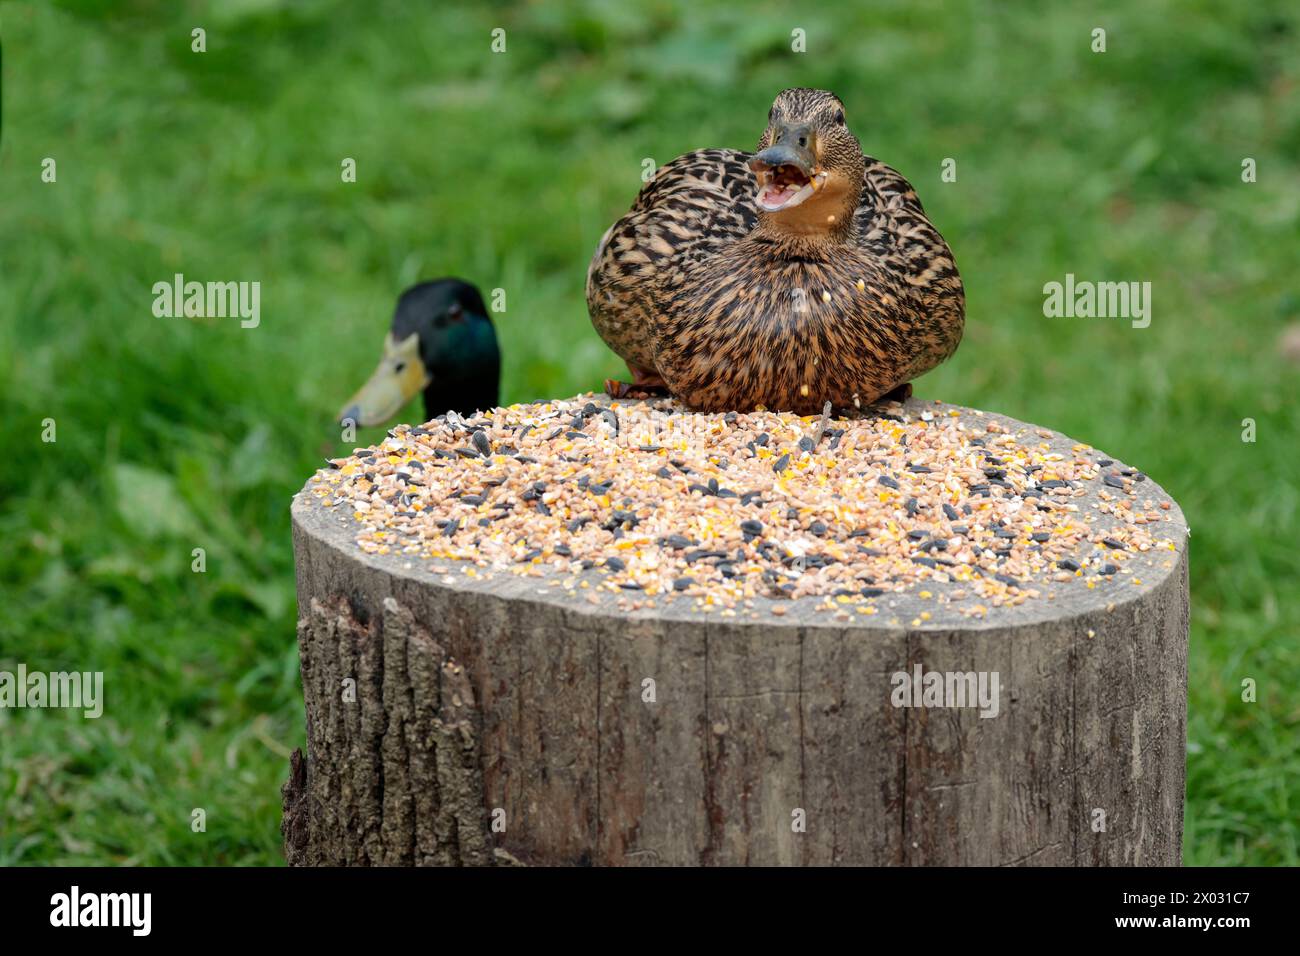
x=645 y=383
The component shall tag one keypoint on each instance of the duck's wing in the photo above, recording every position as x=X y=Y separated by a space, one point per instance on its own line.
x=691 y=209
x=916 y=262
x=891 y=223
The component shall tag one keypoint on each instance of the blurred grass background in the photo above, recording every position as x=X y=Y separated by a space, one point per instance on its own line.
x=505 y=169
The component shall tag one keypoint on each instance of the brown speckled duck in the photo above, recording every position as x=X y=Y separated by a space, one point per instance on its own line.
x=801 y=273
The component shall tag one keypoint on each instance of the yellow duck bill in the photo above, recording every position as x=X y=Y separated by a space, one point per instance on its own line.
x=398 y=378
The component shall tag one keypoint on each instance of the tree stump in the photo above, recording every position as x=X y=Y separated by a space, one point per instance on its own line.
x=492 y=723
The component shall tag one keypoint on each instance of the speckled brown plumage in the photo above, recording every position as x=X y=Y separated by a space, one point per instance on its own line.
x=844 y=297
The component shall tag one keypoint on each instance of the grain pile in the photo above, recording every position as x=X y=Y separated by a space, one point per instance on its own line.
x=661 y=504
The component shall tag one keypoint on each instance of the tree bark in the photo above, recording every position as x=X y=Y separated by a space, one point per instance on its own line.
x=493 y=724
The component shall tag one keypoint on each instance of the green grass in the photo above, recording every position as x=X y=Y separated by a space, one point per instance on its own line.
x=505 y=169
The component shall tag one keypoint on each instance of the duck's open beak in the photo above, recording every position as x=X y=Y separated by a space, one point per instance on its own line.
x=398 y=378
x=787 y=173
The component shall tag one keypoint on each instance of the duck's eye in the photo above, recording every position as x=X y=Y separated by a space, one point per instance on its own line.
x=803 y=142
x=839 y=117
x=455 y=312
x=399 y=367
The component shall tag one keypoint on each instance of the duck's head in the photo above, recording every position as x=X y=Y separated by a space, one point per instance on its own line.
x=442 y=343
x=808 y=166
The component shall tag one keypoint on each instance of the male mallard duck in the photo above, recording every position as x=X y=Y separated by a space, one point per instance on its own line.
x=802 y=273
x=441 y=341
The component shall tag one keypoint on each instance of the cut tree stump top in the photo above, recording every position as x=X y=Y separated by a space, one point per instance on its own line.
x=1139 y=575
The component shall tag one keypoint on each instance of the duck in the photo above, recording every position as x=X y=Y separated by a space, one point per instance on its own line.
x=441 y=342
x=801 y=273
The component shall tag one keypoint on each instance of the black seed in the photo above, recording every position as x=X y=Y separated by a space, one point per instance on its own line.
x=1042 y=536
x=681 y=584
x=888 y=482
x=1008 y=579
x=730 y=417
x=677 y=541
x=543 y=509
x=562 y=549
x=928 y=562
x=1068 y=564
x=664 y=473
x=950 y=512
x=451 y=527
x=576 y=523
x=535 y=553
x=610 y=417
x=467 y=452
x=912 y=506
x=615 y=564
x=1108 y=569
x=919 y=469
x=817 y=528
x=713 y=486
x=806 y=444
x=650 y=448
x=872 y=592
x=1104 y=462
x=1113 y=544
x=472 y=499
x=781 y=463
x=752 y=527
x=1114 y=481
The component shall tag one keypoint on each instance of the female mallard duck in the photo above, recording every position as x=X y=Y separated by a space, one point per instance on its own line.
x=441 y=342
x=802 y=273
